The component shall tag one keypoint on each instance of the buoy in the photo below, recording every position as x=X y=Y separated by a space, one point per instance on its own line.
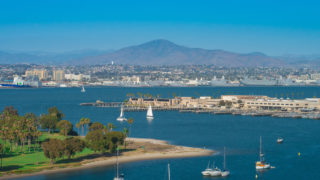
x=299 y=153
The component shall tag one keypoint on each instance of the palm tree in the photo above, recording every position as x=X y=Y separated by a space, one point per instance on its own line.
x=111 y=126
x=87 y=122
x=125 y=132
x=82 y=122
x=78 y=125
x=130 y=121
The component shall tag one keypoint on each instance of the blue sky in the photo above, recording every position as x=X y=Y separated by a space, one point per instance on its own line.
x=272 y=27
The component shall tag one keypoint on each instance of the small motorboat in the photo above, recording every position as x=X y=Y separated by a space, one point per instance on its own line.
x=280 y=140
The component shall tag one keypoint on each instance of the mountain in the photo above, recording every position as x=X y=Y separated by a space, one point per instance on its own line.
x=159 y=52
x=163 y=52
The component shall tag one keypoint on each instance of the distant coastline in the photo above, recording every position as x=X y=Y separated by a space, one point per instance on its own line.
x=147 y=149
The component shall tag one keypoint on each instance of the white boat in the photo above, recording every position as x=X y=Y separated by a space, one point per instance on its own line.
x=121 y=117
x=207 y=171
x=149 y=113
x=261 y=164
x=213 y=172
x=121 y=176
x=280 y=140
x=225 y=172
x=83 y=90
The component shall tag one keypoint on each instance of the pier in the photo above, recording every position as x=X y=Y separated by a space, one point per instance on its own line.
x=215 y=111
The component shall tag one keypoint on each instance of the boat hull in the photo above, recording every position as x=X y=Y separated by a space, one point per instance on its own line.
x=121 y=119
x=225 y=173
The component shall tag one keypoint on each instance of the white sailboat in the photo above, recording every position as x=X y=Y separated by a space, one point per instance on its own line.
x=225 y=172
x=261 y=164
x=149 y=113
x=207 y=171
x=83 y=90
x=213 y=172
x=121 y=117
x=121 y=176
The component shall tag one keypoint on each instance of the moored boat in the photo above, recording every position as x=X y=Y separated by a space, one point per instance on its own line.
x=224 y=172
x=149 y=113
x=280 y=140
x=261 y=164
x=121 y=117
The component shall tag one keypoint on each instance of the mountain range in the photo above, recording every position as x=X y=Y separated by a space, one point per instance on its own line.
x=158 y=52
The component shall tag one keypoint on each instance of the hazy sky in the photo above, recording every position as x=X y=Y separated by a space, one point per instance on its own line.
x=273 y=27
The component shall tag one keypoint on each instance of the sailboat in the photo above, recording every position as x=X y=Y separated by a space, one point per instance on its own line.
x=82 y=89
x=149 y=113
x=121 y=117
x=261 y=164
x=225 y=172
x=213 y=172
x=207 y=171
x=121 y=176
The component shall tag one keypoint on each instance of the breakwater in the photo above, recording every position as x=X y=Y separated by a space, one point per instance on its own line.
x=215 y=111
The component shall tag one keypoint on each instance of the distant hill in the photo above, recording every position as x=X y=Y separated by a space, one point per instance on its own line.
x=163 y=52
x=159 y=52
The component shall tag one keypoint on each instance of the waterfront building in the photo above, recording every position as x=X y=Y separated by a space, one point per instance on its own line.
x=58 y=75
x=41 y=73
x=73 y=77
x=308 y=104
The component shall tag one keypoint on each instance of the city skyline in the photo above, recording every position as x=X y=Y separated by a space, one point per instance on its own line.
x=274 y=28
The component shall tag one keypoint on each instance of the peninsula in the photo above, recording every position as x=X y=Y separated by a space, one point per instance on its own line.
x=138 y=149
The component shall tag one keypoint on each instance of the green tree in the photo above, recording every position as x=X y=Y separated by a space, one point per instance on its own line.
x=84 y=122
x=114 y=139
x=48 y=122
x=53 y=111
x=65 y=127
x=2 y=147
x=72 y=146
x=125 y=133
x=78 y=125
x=130 y=122
x=96 y=126
x=53 y=149
x=97 y=141
x=111 y=126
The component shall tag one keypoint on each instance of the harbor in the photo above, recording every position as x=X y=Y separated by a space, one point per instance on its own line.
x=228 y=104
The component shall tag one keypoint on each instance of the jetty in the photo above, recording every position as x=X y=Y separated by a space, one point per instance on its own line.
x=246 y=105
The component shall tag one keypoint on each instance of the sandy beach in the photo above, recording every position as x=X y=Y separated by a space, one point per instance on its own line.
x=139 y=149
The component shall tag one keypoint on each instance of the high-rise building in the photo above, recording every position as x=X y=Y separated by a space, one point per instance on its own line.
x=41 y=73
x=58 y=75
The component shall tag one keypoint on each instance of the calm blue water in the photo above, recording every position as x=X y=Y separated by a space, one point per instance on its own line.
x=240 y=134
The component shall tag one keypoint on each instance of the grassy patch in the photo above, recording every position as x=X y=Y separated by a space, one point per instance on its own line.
x=28 y=162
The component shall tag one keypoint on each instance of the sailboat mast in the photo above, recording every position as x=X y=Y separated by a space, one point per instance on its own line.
x=261 y=149
x=224 y=159
x=117 y=163
x=169 y=172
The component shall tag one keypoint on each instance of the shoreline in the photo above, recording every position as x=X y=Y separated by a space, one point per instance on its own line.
x=165 y=151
